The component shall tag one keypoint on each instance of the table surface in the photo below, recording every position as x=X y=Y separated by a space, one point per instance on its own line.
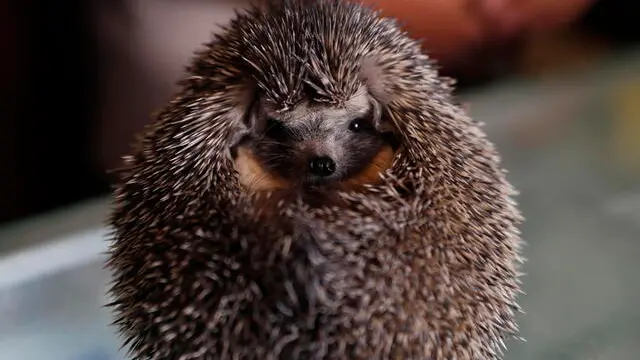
x=572 y=146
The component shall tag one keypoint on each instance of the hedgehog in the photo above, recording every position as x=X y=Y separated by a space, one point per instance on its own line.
x=228 y=242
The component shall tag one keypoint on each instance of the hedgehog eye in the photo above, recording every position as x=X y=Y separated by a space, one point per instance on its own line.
x=275 y=129
x=360 y=125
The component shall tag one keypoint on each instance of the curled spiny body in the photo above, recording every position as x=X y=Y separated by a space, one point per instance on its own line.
x=420 y=266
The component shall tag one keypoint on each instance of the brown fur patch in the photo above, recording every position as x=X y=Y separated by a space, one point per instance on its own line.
x=252 y=174
x=371 y=174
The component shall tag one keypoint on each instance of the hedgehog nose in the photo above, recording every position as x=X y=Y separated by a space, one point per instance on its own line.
x=322 y=166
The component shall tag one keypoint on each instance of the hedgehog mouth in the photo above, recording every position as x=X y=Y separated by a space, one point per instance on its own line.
x=319 y=181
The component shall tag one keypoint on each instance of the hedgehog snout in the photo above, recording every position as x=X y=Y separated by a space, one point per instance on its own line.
x=322 y=166
x=318 y=159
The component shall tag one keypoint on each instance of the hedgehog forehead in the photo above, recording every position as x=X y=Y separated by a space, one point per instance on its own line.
x=308 y=110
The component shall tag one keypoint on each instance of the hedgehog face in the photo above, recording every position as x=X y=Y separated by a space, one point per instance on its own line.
x=318 y=143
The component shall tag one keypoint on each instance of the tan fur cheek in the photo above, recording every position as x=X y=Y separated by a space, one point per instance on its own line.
x=252 y=176
x=371 y=174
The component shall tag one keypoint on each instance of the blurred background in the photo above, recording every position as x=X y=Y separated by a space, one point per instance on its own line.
x=557 y=83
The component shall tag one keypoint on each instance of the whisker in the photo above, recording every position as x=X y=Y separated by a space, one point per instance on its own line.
x=273 y=160
x=257 y=180
x=274 y=143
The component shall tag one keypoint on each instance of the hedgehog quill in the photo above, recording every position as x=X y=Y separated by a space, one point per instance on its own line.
x=314 y=192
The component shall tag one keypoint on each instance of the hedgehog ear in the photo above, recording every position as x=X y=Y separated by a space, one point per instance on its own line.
x=255 y=119
x=377 y=114
x=241 y=115
x=251 y=110
x=372 y=75
x=384 y=125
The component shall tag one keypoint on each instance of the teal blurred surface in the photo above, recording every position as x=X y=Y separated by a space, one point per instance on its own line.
x=572 y=147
